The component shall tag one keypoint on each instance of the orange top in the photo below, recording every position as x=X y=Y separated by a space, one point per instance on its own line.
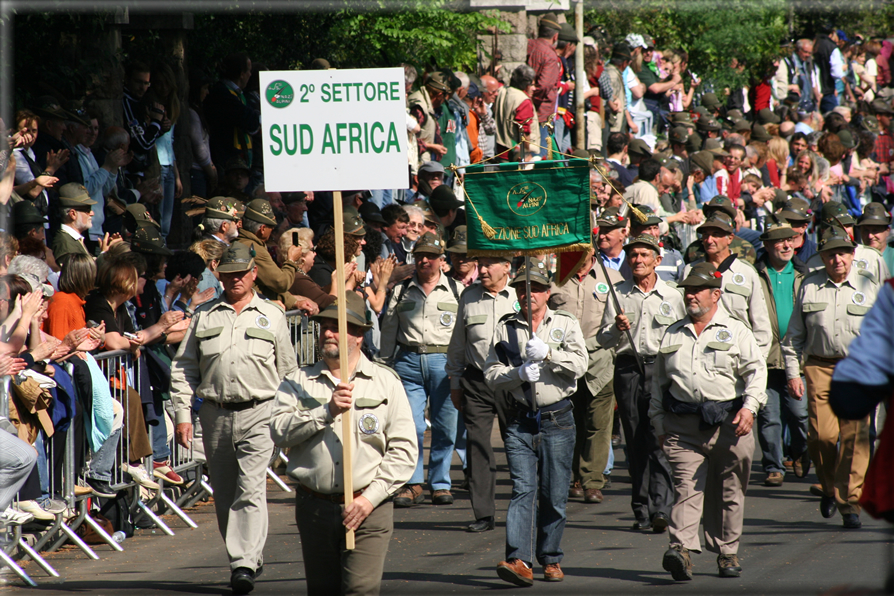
x=66 y=313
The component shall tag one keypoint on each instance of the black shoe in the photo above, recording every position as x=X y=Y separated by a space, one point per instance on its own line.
x=852 y=521
x=101 y=488
x=242 y=580
x=642 y=524
x=677 y=561
x=728 y=566
x=827 y=507
x=482 y=525
x=660 y=523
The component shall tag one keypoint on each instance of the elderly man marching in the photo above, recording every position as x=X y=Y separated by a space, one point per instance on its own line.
x=649 y=307
x=707 y=388
x=234 y=355
x=307 y=417
x=539 y=371
x=829 y=311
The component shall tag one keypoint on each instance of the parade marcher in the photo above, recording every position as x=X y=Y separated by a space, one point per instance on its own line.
x=740 y=247
x=707 y=388
x=585 y=296
x=781 y=274
x=481 y=306
x=742 y=294
x=416 y=330
x=866 y=258
x=649 y=306
x=828 y=313
x=671 y=266
x=235 y=354
x=539 y=372
x=874 y=226
x=306 y=417
x=797 y=212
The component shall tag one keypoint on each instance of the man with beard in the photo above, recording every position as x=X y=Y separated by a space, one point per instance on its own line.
x=707 y=388
x=220 y=220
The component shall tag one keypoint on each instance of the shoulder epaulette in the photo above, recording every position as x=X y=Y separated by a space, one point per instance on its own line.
x=389 y=369
x=506 y=317
x=813 y=273
x=566 y=313
x=868 y=274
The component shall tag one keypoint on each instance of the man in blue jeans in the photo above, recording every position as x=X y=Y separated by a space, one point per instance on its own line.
x=416 y=331
x=539 y=372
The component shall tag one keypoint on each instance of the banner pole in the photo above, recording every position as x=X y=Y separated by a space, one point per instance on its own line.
x=347 y=425
x=530 y=322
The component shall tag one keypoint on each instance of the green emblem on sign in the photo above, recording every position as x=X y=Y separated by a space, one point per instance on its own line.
x=279 y=94
x=526 y=199
x=601 y=288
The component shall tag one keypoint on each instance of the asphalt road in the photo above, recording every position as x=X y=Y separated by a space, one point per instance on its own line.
x=787 y=548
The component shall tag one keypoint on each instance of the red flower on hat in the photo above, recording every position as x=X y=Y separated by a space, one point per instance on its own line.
x=661 y=245
x=596 y=230
x=620 y=218
x=718 y=274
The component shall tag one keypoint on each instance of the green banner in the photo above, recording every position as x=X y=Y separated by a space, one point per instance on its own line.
x=511 y=210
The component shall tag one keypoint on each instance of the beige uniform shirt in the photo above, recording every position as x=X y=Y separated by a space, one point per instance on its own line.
x=649 y=314
x=722 y=363
x=827 y=317
x=743 y=297
x=230 y=358
x=384 y=435
x=558 y=376
x=477 y=317
x=419 y=320
x=586 y=300
x=865 y=258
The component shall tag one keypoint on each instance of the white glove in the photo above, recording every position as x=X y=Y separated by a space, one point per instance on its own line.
x=529 y=371
x=536 y=349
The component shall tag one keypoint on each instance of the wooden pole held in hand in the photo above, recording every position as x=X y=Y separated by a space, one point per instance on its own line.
x=347 y=419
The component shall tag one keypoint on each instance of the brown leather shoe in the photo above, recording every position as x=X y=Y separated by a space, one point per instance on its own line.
x=774 y=479
x=592 y=495
x=515 y=572
x=801 y=466
x=409 y=495
x=553 y=573
x=576 y=491
x=441 y=497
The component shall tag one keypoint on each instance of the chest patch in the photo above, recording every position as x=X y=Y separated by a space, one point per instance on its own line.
x=368 y=424
x=557 y=334
x=262 y=322
x=859 y=298
x=724 y=335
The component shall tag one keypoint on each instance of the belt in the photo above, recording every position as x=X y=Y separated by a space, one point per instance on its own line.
x=624 y=358
x=832 y=361
x=337 y=498
x=237 y=406
x=473 y=373
x=560 y=407
x=424 y=349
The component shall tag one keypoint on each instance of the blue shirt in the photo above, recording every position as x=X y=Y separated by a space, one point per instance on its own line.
x=612 y=263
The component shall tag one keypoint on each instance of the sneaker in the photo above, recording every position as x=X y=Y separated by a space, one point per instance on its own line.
x=728 y=566
x=101 y=488
x=35 y=510
x=82 y=491
x=140 y=476
x=163 y=470
x=14 y=517
x=53 y=506
x=677 y=561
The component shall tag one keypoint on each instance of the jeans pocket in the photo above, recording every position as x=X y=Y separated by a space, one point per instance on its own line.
x=563 y=421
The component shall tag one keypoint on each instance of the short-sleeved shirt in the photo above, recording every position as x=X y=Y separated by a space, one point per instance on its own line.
x=783 y=294
x=98 y=309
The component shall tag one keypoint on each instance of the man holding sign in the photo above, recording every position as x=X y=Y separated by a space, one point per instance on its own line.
x=307 y=417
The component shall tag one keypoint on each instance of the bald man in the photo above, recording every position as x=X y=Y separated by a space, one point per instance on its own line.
x=486 y=135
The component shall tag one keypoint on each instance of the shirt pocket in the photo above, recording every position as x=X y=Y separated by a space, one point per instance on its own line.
x=261 y=342
x=813 y=312
x=718 y=355
x=446 y=315
x=370 y=421
x=210 y=341
x=476 y=328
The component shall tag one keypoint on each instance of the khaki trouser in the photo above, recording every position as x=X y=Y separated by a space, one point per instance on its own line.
x=329 y=568
x=238 y=447
x=840 y=468
x=593 y=418
x=594 y=131
x=711 y=469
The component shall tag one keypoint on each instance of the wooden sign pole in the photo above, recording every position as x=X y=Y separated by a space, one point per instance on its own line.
x=347 y=419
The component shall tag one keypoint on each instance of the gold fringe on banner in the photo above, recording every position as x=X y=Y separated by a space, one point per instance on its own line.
x=530 y=253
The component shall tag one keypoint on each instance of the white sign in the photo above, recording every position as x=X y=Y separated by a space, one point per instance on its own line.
x=334 y=129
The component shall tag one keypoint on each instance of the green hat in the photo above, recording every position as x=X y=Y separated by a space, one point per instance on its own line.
x=735 y=115
x=550 y=20
x=777 y=228
x=874 y=214
x=567 y=33
x=429 y=243
x=846 y=138
x=694 y=143
x=681 y=118
x=148 y=240
x=760 y=134
x=780 y=198
x=646 y=240
x=703 y=275
x=442 y=198
x=870 y=123
x=539 y=274
x=719 y=220
x=611 y=218
x=75 y=196
x=880 y=106
x=796 y=210
x=720 y=203
x=679 y=136
x=261 y=211
x=236 y=163
x=355 y=308
x=48 y=108
x=708 y=124
x=460 y=241
x=835 y=214
x=702 y=111
x=437 y=80
x=715 y=147
x=710 y=101
x=221 y=208
x=427 y=213
x=639 y=147
x=833 y=238
x=237 y=258
x=768 y=116
x=353 y=223
x=651 y=218
x=741 y=125
x=24 y=212
x=136 y=217
x=704 y=160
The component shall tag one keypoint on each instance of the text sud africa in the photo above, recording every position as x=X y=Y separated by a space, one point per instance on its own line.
x=547 y=230
x=336 y=139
